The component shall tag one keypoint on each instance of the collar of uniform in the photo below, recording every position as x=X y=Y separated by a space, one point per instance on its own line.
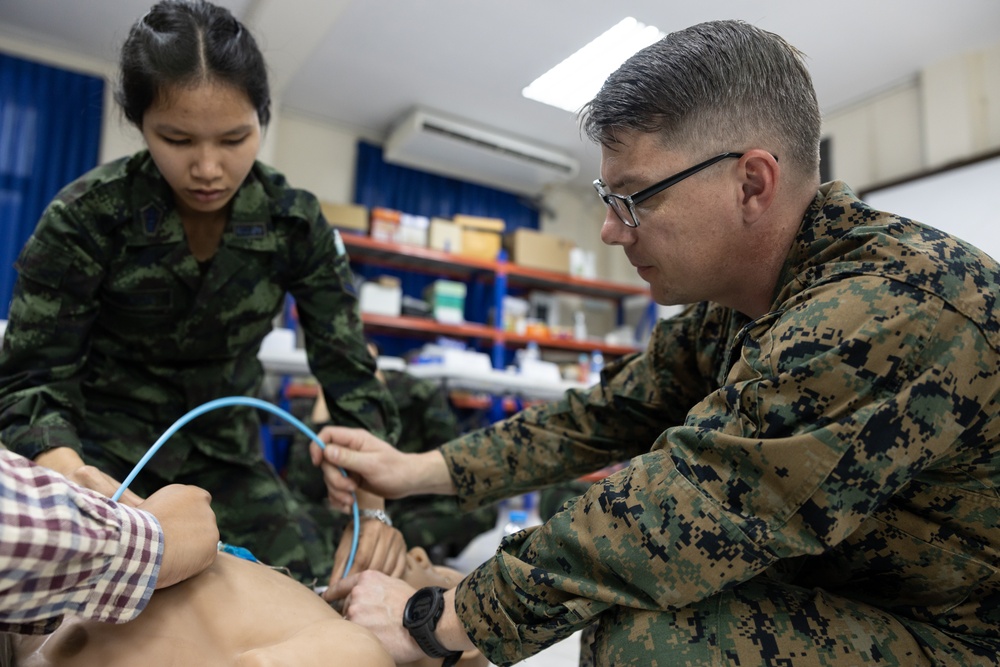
x=841 y=235
x=250 y=221
x=826 y=220
x=156 y=220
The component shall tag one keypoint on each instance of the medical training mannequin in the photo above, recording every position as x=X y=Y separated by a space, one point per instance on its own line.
x=236 y=613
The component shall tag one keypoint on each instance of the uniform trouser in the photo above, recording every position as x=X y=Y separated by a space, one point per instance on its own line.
x=253 y=507
x=764 y=623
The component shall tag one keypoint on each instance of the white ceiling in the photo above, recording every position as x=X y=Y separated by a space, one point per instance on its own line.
x=364 y=63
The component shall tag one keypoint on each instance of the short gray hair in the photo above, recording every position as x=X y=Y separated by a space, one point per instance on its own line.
x=721 y=86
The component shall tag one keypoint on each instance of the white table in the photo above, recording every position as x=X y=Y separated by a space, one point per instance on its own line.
x=493 y=381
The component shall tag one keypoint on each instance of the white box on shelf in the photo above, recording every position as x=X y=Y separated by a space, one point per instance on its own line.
x=413 y=230
x=381 y=299
x=279 y=355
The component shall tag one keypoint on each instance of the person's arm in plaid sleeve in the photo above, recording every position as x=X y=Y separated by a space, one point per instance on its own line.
x=65 y=549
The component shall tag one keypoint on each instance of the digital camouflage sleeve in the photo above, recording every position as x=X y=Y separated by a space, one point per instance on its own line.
x=848 y=439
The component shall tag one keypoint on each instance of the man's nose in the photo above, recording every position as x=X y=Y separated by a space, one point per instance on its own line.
x=614 y=231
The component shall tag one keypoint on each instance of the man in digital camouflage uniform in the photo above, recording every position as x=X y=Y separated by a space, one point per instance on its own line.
x=432 y=522
x=814 y=443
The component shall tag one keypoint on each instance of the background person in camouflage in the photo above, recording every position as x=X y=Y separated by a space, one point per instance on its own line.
x=432 y=522
x=814 y=442
x=149 y=283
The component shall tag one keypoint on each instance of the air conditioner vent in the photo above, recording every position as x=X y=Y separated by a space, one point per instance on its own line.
x=438 y=143
x=492 y=146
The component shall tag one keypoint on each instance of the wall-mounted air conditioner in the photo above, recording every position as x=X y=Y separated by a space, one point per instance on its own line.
x=442 y=144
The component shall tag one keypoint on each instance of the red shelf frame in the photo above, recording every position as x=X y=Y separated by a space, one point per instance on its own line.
x=428 y=328
x=417 y=258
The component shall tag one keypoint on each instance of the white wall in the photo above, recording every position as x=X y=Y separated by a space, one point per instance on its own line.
x=948 y=113
x=960 y=201
x=317 y=157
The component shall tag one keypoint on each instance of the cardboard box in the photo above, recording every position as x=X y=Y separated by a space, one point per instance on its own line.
x=538 y=250
x=413 y=230
x=481 y=237
x=445 y=236
x=345 y=216
x=385 y=224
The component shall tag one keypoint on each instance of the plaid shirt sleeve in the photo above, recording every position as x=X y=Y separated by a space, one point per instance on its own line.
x=67 y=550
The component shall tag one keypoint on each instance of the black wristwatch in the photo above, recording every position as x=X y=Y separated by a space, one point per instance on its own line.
x=421 y=616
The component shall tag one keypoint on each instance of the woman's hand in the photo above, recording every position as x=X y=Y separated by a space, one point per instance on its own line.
x=380 y=548
x=68 y=463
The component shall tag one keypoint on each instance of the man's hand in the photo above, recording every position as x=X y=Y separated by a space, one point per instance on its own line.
x=190 y=534
x=68 y=463
x=377 y=467
x=376 y=601
x=380 y=548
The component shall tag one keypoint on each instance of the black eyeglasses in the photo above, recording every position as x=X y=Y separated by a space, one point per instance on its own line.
x=624 y=205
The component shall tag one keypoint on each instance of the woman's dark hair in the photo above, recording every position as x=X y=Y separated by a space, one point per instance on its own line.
x=184 y=43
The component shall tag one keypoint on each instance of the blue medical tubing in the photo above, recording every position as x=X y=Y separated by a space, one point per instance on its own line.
x=254 y=403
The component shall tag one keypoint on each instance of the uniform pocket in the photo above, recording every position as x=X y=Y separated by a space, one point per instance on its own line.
x=42 y=264
x=138 y=309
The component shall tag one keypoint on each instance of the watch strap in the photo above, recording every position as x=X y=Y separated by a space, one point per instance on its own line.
x=423 y=632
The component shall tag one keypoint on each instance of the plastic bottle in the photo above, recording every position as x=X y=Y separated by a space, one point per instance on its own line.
x=526 y=356
x=530 y=502
x=517 y=521
x=583 y=367
x=596 y=366
x=580 y=325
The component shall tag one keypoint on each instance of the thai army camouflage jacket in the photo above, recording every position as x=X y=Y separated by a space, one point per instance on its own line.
x=847 y=439
x=116 y=331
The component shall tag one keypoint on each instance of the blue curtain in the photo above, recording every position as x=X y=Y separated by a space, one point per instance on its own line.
x=50 y=131
x=420 y=193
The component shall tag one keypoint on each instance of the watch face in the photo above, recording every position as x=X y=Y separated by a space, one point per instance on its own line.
x=419 y=607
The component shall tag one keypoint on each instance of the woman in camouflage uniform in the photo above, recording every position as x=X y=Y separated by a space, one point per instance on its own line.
x=149 y=283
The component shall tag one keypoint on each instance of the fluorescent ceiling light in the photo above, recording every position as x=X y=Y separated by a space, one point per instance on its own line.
x=574 y=82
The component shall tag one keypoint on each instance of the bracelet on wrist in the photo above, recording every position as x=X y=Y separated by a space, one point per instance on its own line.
x=378 y=515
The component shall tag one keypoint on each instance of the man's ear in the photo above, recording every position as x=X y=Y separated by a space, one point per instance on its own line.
x=760 y=183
